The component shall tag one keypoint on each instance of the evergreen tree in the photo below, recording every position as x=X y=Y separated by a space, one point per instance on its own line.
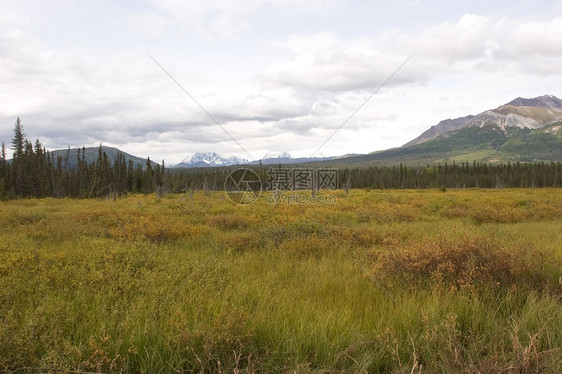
x=120 y=174
x=3 y=172
x=148 y=178
x=3 y=163
x=101 y=180
x=18 y=144
x=82 y=174
x=39 y=170
x=27 y=177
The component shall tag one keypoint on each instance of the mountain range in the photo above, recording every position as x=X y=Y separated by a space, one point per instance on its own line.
x=209 y=159
x=91 y=155
x=524 y=130
x=213 y=159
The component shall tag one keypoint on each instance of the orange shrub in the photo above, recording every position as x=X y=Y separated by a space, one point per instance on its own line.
x=463 y=264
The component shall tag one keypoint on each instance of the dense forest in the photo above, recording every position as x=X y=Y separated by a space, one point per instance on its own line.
x=34 y=172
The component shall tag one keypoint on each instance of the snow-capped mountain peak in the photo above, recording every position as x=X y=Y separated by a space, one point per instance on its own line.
x=210 y=159
x=201 y=159
x=276 y=155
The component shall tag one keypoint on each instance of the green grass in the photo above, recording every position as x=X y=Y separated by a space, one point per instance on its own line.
x=184 y=284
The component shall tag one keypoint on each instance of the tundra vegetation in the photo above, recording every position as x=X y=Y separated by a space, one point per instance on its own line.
x=399 y=281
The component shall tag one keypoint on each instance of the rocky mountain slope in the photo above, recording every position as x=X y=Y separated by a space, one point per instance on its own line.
x=520 y=113
x=524 y=130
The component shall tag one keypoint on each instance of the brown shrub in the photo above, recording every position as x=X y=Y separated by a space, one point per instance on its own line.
x=463 y=264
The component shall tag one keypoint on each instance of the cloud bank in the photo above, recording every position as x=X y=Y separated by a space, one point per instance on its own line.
x=283 y=86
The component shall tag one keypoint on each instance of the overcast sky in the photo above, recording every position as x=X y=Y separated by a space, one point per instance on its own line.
x=278 y=75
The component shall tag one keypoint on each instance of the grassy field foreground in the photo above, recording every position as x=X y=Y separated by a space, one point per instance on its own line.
x=383 y=281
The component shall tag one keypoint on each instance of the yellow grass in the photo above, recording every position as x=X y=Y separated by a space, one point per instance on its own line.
x=382 y=281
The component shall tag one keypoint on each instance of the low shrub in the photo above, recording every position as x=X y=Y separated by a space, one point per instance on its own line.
x=466 y=263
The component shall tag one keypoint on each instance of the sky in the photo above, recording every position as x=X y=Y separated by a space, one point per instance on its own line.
x=165 y=79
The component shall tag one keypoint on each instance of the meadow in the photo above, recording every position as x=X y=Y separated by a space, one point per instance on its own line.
x=393 y=281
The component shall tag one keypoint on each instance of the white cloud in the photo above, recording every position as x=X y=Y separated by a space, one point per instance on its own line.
x=540 y=39
x=149 y=23
x=224 y=19
x=519 y=46
x=454 y=41
x=325 y=62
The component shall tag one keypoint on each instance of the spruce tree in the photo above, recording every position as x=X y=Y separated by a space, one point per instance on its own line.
x=18 y=144
x=3 y=172
x=101 y=180
x=28 y=185
x=39 y=169
x=148 y=178
x=3 y=161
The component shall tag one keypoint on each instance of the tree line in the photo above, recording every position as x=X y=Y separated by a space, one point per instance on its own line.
x=35 y=172
x=457 y=175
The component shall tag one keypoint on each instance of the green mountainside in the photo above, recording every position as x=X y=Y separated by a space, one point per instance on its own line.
x=91 y=155
x=488 y=144
x=525 y=130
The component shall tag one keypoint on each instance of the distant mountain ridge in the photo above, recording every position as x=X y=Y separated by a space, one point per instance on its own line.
x=440 y=129
x=525 y=130
x=201 y=159
x=213 y=159
x=91 y=155
x=286 y=158
x=276 y=155
x=545 y=101
x=521 y=113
